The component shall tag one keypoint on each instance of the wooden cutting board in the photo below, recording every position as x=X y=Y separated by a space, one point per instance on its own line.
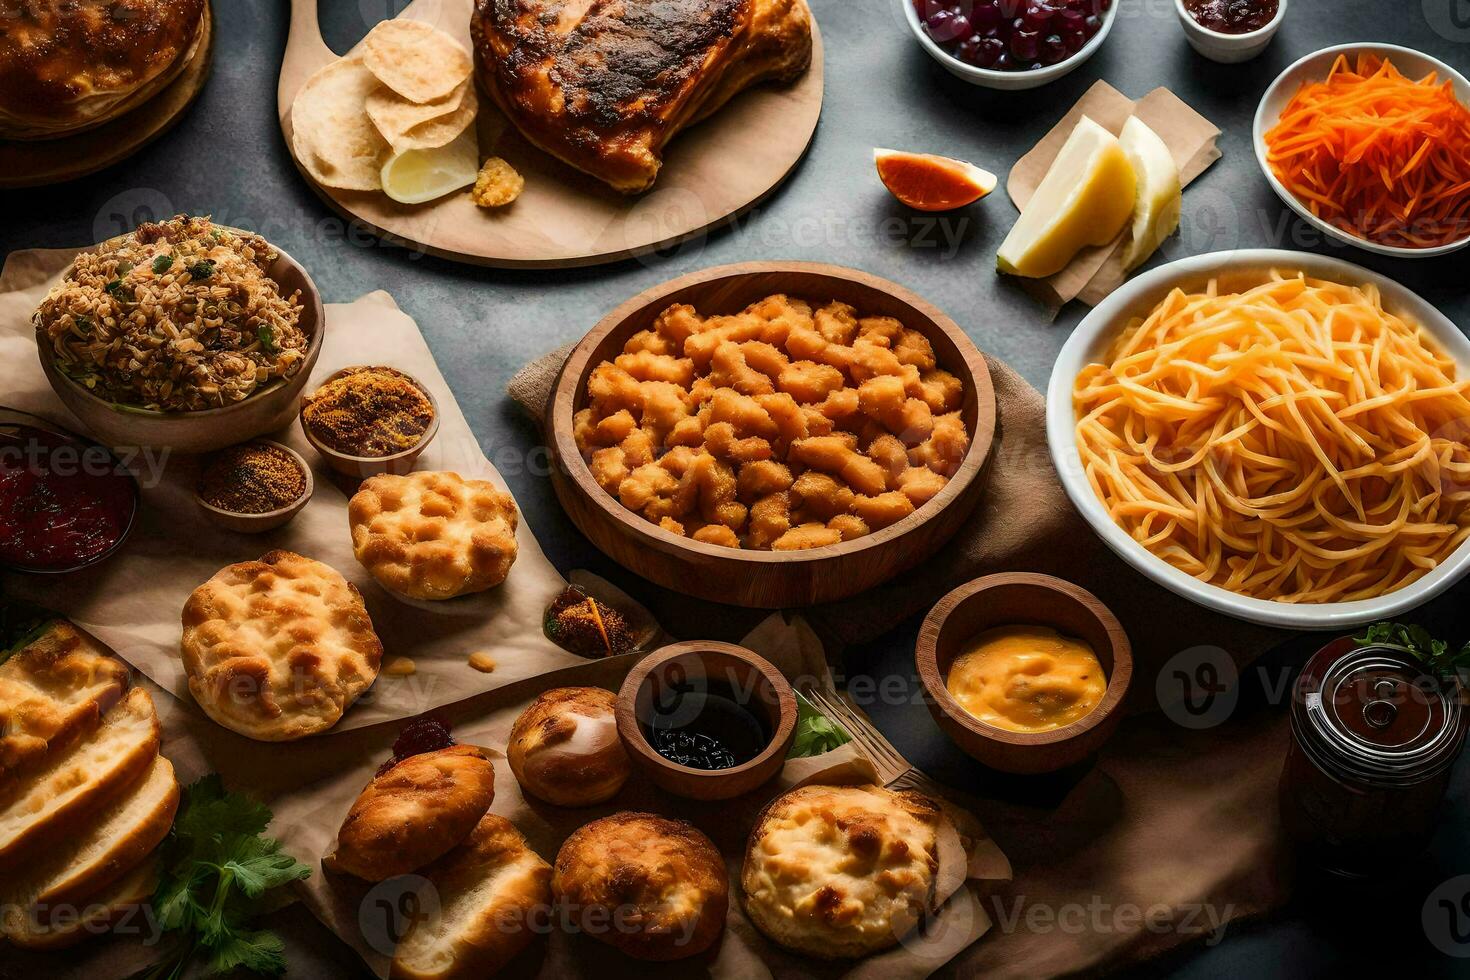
x=34 y=163
x=713 y=172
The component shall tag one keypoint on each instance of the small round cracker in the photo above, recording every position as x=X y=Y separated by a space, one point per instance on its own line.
x=415 y=59
x=394 y=115
x=334 y=138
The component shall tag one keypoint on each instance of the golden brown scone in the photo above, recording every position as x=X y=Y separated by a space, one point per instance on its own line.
x=414 y=812
x=277 y=649
x=433 y=535
x=52 y=690
x=565 y=749
x=67 y=66
x=842 y=871
x=492 y=889
x=652 y=887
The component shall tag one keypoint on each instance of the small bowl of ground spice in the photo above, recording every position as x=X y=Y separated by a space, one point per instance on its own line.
x=254 y=487
x=370 y=420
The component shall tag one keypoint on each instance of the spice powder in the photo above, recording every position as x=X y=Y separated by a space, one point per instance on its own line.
x=255 y=478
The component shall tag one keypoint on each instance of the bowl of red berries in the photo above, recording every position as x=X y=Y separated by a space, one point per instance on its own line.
x=1010 y=44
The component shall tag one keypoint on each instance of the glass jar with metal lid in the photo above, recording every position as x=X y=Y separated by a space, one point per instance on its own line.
x=1373 y=740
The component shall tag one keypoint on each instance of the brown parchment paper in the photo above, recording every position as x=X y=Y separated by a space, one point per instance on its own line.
x=307 y=822
x=132 y=601
x=1098 y=270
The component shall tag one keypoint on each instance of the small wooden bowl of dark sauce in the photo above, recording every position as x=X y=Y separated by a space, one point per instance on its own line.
x=706 y=720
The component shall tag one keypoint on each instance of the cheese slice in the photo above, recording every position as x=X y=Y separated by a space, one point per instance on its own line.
x=1085 y=199
x=1160 y=200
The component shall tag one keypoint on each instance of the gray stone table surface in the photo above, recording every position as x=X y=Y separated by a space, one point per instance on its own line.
x=226 y=157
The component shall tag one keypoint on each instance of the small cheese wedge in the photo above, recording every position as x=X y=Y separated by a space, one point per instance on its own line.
x=1160 y=197
x=1085 y=199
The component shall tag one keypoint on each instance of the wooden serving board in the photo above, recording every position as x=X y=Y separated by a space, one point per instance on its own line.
x=713 y=172
x=35 y=163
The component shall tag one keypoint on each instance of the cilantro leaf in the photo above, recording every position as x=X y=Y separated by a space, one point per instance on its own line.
x=258 y=866
x=1416 y=641
x=201 y=270
x=162 y=263
x=816 y=734
x=267 y=338
x=218 y=870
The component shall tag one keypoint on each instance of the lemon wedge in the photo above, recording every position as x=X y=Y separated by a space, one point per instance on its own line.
x=1160 y=198
x=417 y=176
x=1085 y=199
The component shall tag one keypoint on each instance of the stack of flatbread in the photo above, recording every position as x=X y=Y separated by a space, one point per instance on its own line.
x=407 y=87
x=85 y=798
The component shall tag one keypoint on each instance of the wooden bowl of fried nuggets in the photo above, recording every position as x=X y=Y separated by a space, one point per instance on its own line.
x=771 y=434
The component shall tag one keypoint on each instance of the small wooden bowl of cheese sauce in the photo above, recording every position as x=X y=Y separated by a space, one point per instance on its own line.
x=1026 y=673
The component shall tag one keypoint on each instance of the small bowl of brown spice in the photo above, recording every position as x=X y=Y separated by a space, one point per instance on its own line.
x=370 y=420
x=254 y=487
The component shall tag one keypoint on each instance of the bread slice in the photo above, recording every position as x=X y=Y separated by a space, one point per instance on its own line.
x=50 y=802
x=59 y=926
x=110 y=845
x=54 y=689
x=489 y=888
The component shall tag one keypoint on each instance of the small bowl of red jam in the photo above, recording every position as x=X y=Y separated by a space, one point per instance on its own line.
x=1230 y=31
x=1010 y=44
x=65 y=502
x=706 y=720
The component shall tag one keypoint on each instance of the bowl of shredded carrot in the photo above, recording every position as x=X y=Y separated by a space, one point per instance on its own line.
x=1371 y=144
x=1279 y=436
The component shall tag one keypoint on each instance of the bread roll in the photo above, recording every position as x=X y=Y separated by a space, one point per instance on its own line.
x=52 y=690
x=654 y=888
x=49 y=928
x=57 y=797
x=492 y=890
x=414 y=812
x=116 y=840
x=565 y=749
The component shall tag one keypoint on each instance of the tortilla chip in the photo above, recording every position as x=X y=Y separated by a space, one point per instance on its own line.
x=441 y=131
x=333 y=137
x=416 y=60
x=394 y=115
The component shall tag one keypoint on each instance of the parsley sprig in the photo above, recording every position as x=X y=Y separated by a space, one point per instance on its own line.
x=1417 y=642
x=217 y=868
x=816 y=734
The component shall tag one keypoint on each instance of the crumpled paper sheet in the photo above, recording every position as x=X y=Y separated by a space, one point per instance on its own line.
x=133 y=600
x=307 y=822
x=1098 y=270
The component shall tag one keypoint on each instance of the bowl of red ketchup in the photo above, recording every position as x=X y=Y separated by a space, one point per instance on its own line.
x=65 y=502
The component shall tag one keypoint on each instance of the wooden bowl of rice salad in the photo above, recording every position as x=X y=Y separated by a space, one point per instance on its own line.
x=182 y=335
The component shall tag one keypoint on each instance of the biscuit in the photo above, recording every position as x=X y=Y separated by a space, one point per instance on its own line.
x=492 y=890
x=654 y=888
x=842 y=871
x=277 y=649
x=433 y=535
x=414 y=812
x=565 y=748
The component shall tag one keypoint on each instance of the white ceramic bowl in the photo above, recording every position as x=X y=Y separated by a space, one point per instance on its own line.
x=1314 y=68
x=1228 y=49
x=1006 y=80
x=1089 y=342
